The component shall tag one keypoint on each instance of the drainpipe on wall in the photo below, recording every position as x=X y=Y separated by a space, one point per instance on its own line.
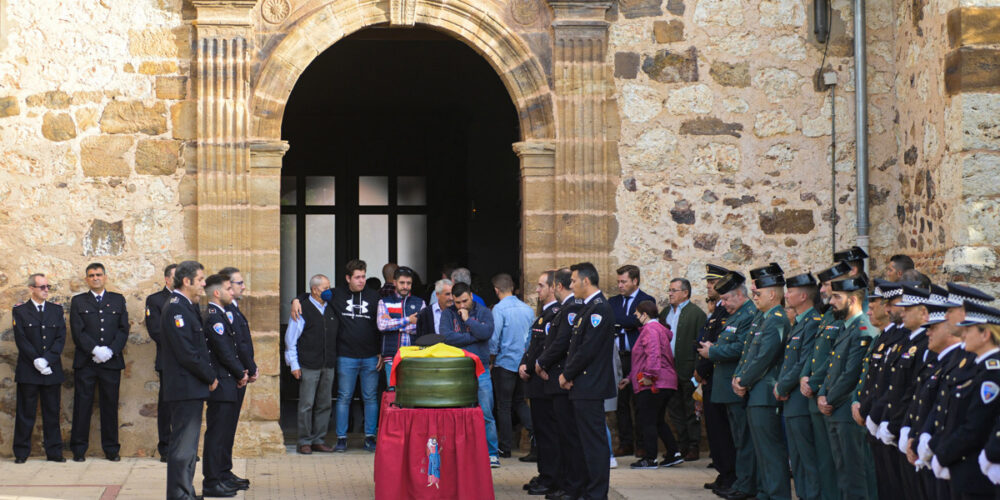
x=861 y=121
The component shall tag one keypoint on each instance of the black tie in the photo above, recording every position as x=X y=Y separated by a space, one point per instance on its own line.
x=622 y=346
x=39 y=309
x=99 y=298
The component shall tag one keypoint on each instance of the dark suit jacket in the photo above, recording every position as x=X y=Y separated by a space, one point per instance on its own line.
x=93 y=324
x=628 y=320
x=589 y=364
x=425 y=323
x=688 y=326
x=244 y=340
x=39 y=335
x=222 y=341
x=187 y=370
x=154 y=309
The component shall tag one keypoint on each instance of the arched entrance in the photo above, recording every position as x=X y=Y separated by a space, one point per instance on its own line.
x=247 y=58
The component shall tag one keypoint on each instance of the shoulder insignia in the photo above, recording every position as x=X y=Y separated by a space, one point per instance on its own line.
x=777 y=313
x=571 y=317
x=988 y=391
x=912 y=351
x=881 y=346
x=229 y=316
x=15 y=321
x=212 y=310
x=179 y=321
x=863 y=328
x=539 y=322
x=595 y=319
x=173 y=300
x=147 y=312
x=992 y=364
x=219 y=328
x=817 y=318
x=864 y=343
x=961 y=364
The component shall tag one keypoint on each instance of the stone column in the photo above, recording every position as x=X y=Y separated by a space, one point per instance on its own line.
x=538 y=189
x=586 y=161
x=229 y=226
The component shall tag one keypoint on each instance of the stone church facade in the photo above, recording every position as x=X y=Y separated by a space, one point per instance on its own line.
x=665 y=133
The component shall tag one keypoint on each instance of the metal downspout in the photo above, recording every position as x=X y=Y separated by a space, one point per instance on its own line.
x=861 y=121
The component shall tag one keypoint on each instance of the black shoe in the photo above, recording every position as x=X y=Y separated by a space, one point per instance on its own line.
x=711 y=486
x=219 y=490
x=555 y=495
x=541 y=489
x=114 y=458
x=723 y=492
x=530 y=457
x=531 y=482
x=234 y=479
x=230 y=485
x=58 y=458
x=79 y=458
x=163 y=459
x=738 y=495
x=20 y=460
x=646 y=463
x=504 y=454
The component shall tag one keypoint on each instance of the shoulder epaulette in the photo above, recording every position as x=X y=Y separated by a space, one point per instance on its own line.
x=993 y=364
x=173 y=300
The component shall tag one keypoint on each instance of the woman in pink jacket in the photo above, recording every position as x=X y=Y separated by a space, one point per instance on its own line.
x=654 y=381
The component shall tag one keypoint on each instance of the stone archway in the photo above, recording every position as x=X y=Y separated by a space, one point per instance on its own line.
x=243 y=77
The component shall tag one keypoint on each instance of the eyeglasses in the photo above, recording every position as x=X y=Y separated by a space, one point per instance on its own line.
x=671 y=290
x=239 y=283
x=41 y=287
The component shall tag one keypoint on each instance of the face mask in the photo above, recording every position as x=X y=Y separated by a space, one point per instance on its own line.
x=327 y=295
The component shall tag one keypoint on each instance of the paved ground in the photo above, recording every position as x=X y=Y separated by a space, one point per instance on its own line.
x=339 y=476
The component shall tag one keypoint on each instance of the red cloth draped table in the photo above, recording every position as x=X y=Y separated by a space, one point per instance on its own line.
x=405 y=463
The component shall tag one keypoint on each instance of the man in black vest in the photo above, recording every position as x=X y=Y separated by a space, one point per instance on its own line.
x=154 y=310
x=188 y=376
x=311 y=353
x=222 y=407
x=244 y=351
x=99 y=323
x=40 y=334
x=589 y=376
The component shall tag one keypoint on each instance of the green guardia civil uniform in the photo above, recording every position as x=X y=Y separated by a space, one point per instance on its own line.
x=851 y=454
x=798 y=423
x=725 y=355
x=815 y=367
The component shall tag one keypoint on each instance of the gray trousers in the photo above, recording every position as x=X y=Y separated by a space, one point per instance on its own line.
x=682 y=415
x=315 y=404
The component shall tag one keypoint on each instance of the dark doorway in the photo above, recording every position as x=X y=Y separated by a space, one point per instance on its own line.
x=400 y=151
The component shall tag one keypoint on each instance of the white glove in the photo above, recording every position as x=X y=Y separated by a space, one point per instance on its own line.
x=920 y=464
x=904 y=438
x=924 y=449
x=108 y=353
x=41 y=364
x=994 y=473
x=885 y=435
x=984 y=464
x=940 y=472
x=871 y=425
x=101 y=354
x=47 y=371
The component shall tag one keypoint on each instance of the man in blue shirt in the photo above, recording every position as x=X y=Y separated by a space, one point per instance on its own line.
x=512 y=320
x=469 y=326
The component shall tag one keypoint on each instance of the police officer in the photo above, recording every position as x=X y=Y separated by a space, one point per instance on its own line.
x=802 y=299
x=542 y=415
x=188 y=376
x=40 y=334
x=811 y=379
x=222 y=405
x=720 y=437
x=154 y=311
x=725 y=354
x=244 y=351
x=549 y=366
x=98 y=321
x=755 y=377
x=970 y=409
x=852 y=457
x=589 y=376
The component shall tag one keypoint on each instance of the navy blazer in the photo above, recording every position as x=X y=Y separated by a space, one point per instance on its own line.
x=187 y=367
x=628 y=321
x=93 y=324
x=39 y=335
x=154 y=308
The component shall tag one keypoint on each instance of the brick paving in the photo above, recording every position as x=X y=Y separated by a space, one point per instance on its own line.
x=341 y=476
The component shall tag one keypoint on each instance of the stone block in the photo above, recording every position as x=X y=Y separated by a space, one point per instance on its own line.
x=973 y=26
x=691 y=99
x=675 y=7
x=723 y=13
x=156 y=157
x=158 y=42
x=158 y=67
x=171 y=87
x=184 y=120
x=626 y=65
x=792 y=221
x=104 y=238
x=58 y=127
x=86 y=118
x=972 y=70
x=265 y=190
x=264 y=397
x=105 y=156
x=710 y=126
x=668 y=31
x=10 y=107
x=640 y=103
x=632 y=9
x=125 y=117
x=771 y=123
x=267 y=343
x=778 y=83
x=682 y=213
x=979 y=174
x=668 y=66
x=731 y=75
x=970 y=260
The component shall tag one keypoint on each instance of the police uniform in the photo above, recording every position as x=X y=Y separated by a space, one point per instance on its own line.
x=852 y=457
x=725 y=354
x=542 y=415
x=573 y=471
x=154 y=311
x=591 y=370
x=96 y=323
x=38 y=335
x=720 y=437
x=815 y=368
x=187 y=375
x=222 y=409
x=245 y=353
x=795 y=409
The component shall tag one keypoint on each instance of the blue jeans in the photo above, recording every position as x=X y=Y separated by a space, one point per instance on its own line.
x=388 y=372
x=348 y=371
x=486 y=403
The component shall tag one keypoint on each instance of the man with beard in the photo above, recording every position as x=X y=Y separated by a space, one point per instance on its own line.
x=851 y=457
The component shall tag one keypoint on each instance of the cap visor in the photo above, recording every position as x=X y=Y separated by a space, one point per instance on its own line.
x=933 y=322
x=969 y=322
x=904 y=303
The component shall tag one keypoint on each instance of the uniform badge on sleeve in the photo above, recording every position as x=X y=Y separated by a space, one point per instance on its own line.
x=147 y=312
x=229 y=316
x=179 y=321
x=571 y=317
x=988 y=391
x=219 y=328
x=595 y=319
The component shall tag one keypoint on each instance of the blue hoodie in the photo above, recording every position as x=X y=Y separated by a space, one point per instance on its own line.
x=472 y=335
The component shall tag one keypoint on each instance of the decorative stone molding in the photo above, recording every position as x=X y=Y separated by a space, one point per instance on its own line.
x=275 y=11
x=402 y=12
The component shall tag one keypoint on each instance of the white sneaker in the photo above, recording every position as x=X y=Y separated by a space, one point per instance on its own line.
x=494 y=462
x=614 y=463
